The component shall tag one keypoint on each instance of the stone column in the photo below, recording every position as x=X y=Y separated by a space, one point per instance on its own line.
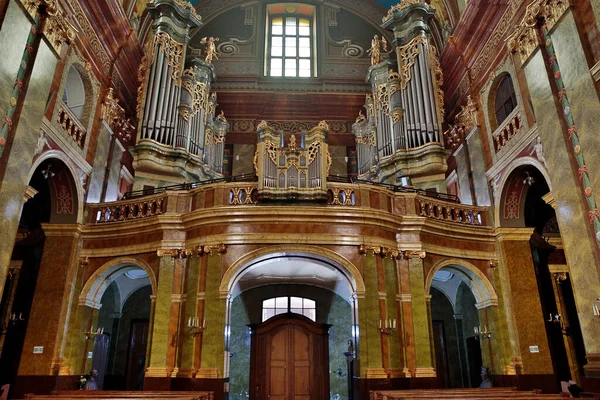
x=406 y=325
x=163 y=69
x=50 y=312
x=25 y=80
x=524 y=303
x=212 y=362
x=564 y=100
x=371 y=363
x=421 y=318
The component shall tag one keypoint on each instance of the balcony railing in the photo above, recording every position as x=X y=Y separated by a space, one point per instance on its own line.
x=450 y=212
x=71 y=125
x=126 y=210
x=509 y=128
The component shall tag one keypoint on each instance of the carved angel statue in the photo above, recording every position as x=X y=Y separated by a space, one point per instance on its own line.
x=211 y=48
x=375 y=50
x=361 y=117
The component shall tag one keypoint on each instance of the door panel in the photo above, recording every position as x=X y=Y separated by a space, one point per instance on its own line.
x=288 y=352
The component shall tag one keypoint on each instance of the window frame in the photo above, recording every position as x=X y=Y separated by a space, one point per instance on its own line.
x=311 y=40
x=288 y=308
x=506 y=96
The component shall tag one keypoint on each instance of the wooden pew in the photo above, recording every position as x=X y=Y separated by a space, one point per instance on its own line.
x=121 y=395
x=459 y=394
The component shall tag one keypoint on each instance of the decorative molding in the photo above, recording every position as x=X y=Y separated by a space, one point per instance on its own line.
x=595 y=71
x=215 y=248
x=369 y=250
x=244 y=125
x=413 y=254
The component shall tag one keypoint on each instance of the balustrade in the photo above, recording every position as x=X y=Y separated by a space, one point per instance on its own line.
x=142 y=207
x=450 y=212
x=511 y=126
x=71 y=125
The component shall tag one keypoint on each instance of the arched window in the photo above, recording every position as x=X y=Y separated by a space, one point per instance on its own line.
x=290 y=44
x=74 y=94
x=282 y=305
x=506 y=100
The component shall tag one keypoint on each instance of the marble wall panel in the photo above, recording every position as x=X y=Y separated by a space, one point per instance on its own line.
x=480 y=184
x=213 y=341
x=369 y=317
x=114 y=174
x=464 y=189
x=395 y=354
x=243 y=159
x=99 y=167
x=420 y=314
x=160 y=328
x=18 y=163
x=571 y=212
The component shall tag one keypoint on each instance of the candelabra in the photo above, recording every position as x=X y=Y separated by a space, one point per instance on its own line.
x=484 y=333
x=596 y=308
x=12 y=321
x=557 y=319
x=194 y=326
x=91 y=334
x=387 y=326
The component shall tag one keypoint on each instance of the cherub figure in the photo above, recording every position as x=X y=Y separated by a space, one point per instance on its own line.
x=211 y=48
x=375 y=50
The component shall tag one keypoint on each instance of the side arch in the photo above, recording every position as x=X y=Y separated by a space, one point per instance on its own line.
x=59 y=155
x=482 y=288
x=519 y=162
x=96 y=285
x=345 y=266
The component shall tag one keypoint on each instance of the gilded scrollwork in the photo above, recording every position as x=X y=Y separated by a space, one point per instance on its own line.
x=197 y=90
x=403 y=4
x=174 y=53
x=213 y=138
x=186 y=5
x=407 y=55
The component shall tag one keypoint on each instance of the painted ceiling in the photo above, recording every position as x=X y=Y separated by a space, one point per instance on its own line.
x=387 y=4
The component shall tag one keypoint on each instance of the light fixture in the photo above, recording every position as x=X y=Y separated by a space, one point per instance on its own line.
x=194 y=326
x=46 y=173
x=386 y=327
x=493 y=263
x=528 y=179
x=596 y=308
x=93 y=333
x=484 y=333
x=558 y=320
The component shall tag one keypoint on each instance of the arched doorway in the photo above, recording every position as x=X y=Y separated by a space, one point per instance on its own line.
x=272 y=285
x=455 y=326
x=460 y=295
x=525 y=203
x=119 y=295
x=51 y=198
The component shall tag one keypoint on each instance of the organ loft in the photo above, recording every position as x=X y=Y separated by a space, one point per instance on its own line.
x=252 y=199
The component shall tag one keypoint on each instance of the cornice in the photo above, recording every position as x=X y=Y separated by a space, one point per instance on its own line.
x=72 y=230
x=513 y=234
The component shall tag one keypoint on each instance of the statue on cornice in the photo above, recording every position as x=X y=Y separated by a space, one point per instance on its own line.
x=211 y=48
x=375 y=50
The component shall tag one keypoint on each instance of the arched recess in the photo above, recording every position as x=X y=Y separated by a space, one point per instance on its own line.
x=500 y=193
x=96 y=285
x=77 y=92
x=482 y=288
x=75 y=176
x=245 y=263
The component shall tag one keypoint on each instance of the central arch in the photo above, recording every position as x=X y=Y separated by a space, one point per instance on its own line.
x=340 y=263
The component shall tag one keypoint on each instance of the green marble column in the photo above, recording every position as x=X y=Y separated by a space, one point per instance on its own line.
x=368 y=309
x=395 y=354
x=213 y=341
x=421 y=319
x=190 y=342
x=157 y=367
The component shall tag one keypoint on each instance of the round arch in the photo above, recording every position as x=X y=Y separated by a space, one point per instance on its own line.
x=59 y=155
x=342 y=264
x=482 y=288
x=94 y=287
x=519 y=162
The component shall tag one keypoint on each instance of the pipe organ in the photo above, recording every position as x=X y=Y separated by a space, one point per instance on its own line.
x=296 y=171
x=400 y=134
x=180 y=137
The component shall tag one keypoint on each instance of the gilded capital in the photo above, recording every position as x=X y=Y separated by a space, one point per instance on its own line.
x=215 y=248
x=414 y=254
x=365 y=249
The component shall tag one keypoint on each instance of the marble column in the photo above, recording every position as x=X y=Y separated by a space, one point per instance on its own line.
x=421 y=318
x=581 y=243
x=406 y=325
x=516 y=259
x=395 y=345
x=20 y=143
x=54 y=293
x=371 y=363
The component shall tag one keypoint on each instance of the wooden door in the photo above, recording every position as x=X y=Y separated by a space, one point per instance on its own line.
x=289 y=359
x=441 y=354
x=100 y=358
x=136 y=354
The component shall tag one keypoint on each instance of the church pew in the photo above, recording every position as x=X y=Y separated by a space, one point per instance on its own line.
x=121 y=395
x=487 y=393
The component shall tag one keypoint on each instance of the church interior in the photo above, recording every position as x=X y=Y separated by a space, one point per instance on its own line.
x=310 y=200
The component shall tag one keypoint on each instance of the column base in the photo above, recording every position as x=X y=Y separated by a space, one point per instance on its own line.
x=592 y=368
x=376 y=373
x=428 y=372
